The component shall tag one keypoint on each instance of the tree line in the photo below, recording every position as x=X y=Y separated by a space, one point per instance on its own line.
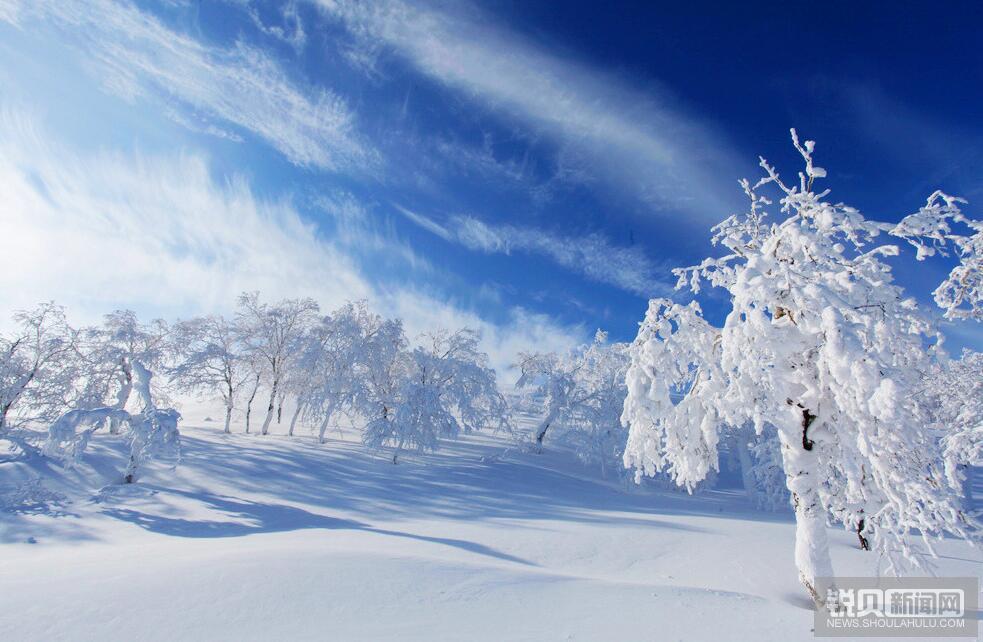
x=349 y=363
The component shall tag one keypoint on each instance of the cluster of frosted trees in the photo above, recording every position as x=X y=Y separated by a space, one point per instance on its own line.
x=350 y=362
x=76 y=381
x=826 y=363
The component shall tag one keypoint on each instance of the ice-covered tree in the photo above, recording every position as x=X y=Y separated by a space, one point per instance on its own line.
x=210 y=358
x=112 y=349
x=822 y=345
x=152 y=433
x=582 y=394
x=448 y=388
x=38 y=366
x=274 y=335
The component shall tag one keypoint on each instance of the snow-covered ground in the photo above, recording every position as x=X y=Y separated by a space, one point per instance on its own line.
x=271 y=538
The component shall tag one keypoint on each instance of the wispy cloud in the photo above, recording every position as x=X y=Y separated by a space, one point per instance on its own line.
x=135 y=55
x=370 y=237
x=290 y=30
x=638 y=141
x=591 y=255
x=152 y=232
x=426 y=223
x=159 y=234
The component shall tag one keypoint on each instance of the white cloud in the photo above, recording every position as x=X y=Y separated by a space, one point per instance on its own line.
x=636 y=140
x=426 y=223
x=592 y=255
x=134 y=55
x=160 y=235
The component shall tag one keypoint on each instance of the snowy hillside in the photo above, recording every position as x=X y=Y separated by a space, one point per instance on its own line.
x=260 y=538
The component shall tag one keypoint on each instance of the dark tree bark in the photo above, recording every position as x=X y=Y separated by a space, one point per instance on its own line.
x=864 y=544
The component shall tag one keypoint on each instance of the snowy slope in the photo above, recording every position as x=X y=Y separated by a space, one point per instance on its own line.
x=255 y=538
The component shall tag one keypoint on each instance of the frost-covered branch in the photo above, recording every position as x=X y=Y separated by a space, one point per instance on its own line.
x=930 y=231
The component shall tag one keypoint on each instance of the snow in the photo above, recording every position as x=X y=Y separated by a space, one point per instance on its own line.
x=260 y=538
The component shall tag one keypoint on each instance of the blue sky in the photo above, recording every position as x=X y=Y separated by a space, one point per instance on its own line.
x=531 y=168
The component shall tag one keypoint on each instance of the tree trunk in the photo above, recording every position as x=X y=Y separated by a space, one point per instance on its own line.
x=130 y=474
x=293 y=420
x=864 y=544
x=399 y=449
x=122 y=397
x=249 y=404
x=543 y=427
x=229 y=402
x=324 y=423
x=747 y=465
x=802 y=478
x=3 y=416
x=270 y=409
x=968 y=479
x=5 y=410
x=279 y=409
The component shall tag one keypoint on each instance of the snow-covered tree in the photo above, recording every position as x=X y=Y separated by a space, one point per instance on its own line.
x=956 y=394
x=38 y=366
x=343 y=350
x=822 y=345
x=449 y=388
x=209 y=355
x=550 y=377
x=112 y=349
x=382 y=371
x=152 y=433
x=583 y=394
x=274 y=335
